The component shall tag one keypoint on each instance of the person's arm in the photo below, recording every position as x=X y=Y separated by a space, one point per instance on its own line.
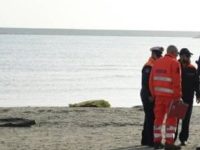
x=151 y=83
x=197 y=86
x=176 y=80
x=198 y=66
x=145 y=79
x=198 y=78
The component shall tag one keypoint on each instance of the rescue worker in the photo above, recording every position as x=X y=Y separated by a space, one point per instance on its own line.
x=148 y=105
x=190 y=84
x=165 y=87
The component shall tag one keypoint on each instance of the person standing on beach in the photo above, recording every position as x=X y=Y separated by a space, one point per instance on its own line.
x=190 y=84
x=148 y=105
x=165 y=87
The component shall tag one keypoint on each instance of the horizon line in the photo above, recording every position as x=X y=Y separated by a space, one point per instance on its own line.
x=99 y=32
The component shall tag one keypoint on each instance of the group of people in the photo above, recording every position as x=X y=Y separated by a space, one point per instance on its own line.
x=166 y=79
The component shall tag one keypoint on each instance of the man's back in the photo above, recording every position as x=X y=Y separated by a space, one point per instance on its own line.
x=165 y=77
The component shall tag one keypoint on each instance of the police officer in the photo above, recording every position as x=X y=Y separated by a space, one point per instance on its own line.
x=190 y=84
x=147 y=132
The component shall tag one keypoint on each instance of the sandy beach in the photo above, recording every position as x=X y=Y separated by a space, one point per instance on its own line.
x=63 y=128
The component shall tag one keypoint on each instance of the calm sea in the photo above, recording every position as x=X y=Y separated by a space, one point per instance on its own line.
x=45 y=70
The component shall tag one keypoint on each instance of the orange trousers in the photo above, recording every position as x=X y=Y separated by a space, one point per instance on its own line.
x=162 y=105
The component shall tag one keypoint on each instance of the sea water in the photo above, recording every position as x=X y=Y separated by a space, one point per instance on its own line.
x=53 y=70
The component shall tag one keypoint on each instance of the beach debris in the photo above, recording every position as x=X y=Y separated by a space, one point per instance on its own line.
x=92 y=103
x=16 y=122
x=139 y=107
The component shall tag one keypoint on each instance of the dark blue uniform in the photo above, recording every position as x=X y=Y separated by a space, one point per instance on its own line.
x=147 y=132
x=190 y=84
x=198 y=64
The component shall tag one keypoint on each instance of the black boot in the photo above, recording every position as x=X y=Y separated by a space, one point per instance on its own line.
x=172 y=147
x=158 y=145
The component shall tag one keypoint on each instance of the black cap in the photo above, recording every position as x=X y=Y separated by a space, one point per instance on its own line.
x=157 y=48
x=185 y=51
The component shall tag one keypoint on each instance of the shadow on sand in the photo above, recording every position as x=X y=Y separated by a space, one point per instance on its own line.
x=137 y=147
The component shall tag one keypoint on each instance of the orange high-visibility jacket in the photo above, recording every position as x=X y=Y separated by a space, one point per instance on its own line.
x=150 y=62
x=165 y=78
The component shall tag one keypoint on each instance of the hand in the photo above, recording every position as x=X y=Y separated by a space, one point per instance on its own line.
x=198 y=100
x=178 y=99
x=181 y=99
x=151 y=99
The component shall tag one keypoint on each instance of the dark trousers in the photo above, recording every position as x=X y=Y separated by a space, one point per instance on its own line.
x=147 y=132
x=184 y=134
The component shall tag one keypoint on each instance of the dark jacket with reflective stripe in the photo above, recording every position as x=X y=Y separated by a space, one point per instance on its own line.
x=146 y=70
x=190 y=82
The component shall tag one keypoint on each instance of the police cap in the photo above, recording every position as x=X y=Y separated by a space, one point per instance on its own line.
x=157 y=49
x=185 y=51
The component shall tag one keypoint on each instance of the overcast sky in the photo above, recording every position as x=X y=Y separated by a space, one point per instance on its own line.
x=177 y=15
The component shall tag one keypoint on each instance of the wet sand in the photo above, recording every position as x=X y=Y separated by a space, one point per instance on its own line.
x=63 y=128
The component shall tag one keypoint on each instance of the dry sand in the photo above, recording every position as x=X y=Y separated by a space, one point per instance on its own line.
x=63 y=128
